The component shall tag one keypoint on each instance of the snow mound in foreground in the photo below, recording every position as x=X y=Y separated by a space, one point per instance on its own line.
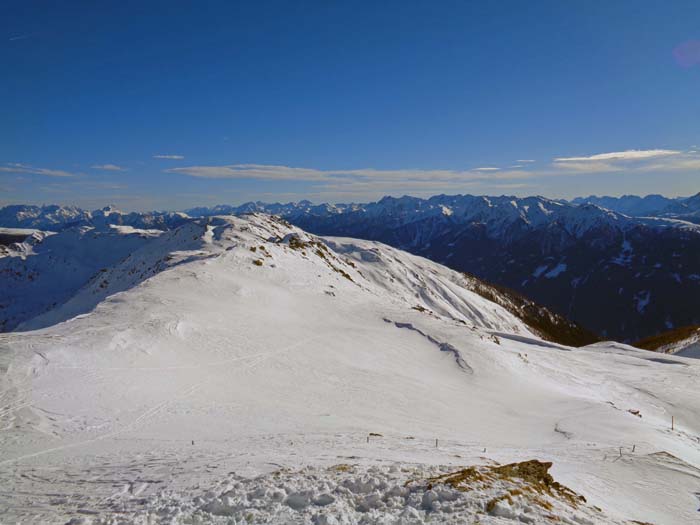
x=351 y=494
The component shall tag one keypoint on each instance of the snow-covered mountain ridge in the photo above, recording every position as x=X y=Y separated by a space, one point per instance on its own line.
x=498 y=213
x=239 y=368
x=56 y=218
x=47 y=270
x=412 y=280
x=622 y=277
x=561 y=255
x=687 y=208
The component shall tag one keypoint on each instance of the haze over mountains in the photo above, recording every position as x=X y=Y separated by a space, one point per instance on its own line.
x=686 y=208
x=625 y=268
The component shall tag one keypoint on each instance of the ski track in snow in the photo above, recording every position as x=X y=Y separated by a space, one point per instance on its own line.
x=153 y=411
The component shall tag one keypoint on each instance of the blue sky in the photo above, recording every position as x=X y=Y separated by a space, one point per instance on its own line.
x=168 y=105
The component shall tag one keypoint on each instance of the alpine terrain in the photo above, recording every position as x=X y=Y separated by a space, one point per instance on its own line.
x=236 y=369
x=623 y=277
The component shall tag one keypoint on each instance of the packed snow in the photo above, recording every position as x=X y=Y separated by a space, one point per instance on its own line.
x=239 y=370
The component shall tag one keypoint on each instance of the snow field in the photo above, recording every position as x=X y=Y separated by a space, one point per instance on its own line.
x=289 y=364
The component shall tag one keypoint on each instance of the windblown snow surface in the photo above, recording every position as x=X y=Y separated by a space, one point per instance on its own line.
x=238 y=370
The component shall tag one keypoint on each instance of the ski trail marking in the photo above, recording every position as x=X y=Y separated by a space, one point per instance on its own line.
x=153 y=410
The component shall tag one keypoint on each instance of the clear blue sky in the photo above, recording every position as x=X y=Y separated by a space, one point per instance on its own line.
x=346 y=101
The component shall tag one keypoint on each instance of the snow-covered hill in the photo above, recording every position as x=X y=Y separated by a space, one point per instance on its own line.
x=48 y=268
x=241 y=370
x=622 y=277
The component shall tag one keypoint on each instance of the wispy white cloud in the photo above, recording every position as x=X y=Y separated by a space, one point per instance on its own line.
x=687 y=162
x=251 y=171
x=613 y=162
x=586 y=166
x=629 y=161
x=23 y=168
x=368 y=183
x=273 y=172
x=170 y=157
x=632 y=154
x=107 y=167
x=20 y=37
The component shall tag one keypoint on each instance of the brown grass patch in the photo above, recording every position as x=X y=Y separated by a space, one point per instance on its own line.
x=536 y=483
x=666 y=338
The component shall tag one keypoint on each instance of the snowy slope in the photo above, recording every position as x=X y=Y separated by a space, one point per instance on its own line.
x=588 y=263
x=233 y=369
x=47 y=269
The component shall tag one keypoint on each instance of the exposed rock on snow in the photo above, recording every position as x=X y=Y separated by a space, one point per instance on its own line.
x=683 y=341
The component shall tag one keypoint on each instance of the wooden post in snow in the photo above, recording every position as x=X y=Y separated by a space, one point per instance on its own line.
x=672 y=423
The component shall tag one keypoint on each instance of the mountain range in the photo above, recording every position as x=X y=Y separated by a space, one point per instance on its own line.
x=623 y=276
x=686 y=208
x=238 y=369
x=625 y=271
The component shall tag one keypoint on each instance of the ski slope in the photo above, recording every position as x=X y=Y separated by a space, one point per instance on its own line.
x=239 y=369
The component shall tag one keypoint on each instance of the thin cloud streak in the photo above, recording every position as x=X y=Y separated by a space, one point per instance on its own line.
x=107 y=167
x=20 y=37
x=273 y=172
x=371 y=182
x=169 y=157
x=23 y=168
x=633 y=154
